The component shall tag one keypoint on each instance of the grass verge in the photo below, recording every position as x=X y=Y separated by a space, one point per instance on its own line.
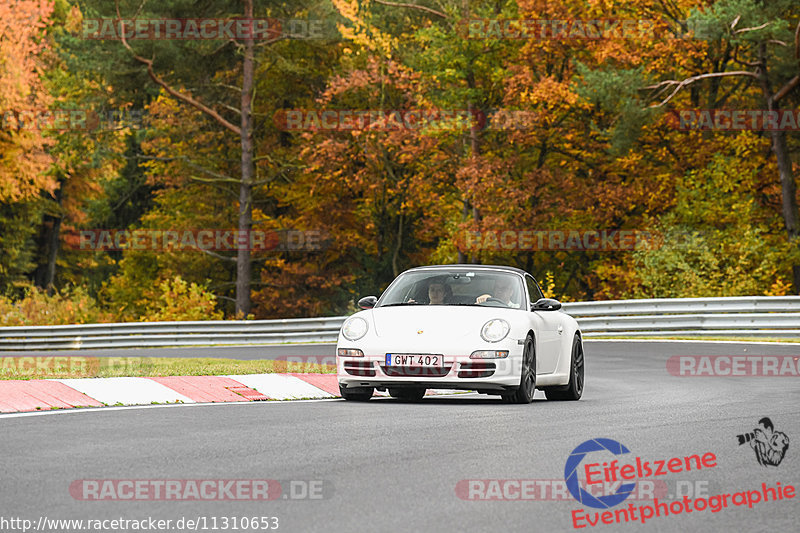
x=61 y=367
x=696 y=338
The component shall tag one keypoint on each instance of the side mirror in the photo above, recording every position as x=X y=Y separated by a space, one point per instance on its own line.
x=546 y=304
x=368 y=302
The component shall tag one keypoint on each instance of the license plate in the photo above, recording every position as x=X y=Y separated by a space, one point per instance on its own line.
x=418 y=360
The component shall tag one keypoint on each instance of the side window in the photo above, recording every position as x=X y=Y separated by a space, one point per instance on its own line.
x=533 y=289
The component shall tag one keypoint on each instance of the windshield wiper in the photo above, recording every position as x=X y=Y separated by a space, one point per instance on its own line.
x=401 y=303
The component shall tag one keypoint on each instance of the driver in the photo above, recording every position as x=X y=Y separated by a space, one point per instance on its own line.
x=503 y=290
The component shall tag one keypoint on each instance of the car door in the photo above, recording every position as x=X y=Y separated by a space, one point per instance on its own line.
x=549 y=331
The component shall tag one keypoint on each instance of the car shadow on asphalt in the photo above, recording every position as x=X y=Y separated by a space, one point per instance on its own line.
x=455 y=400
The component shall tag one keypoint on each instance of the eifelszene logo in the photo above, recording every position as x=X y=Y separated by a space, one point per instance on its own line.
x=571 y=474
x=619 y=471
x=770 y=445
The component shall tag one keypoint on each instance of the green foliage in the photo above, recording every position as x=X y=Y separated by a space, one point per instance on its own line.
x=717 y=241
x=732 y=262
x=17 y=234
x=615 y=94
x=124 y=294
x=762 y=20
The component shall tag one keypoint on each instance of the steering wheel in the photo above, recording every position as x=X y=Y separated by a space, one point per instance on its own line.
x=495 y=300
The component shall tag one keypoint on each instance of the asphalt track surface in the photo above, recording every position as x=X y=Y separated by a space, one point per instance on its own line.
x=390 y=466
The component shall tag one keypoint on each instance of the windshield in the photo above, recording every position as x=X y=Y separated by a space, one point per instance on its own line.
x=457 y=287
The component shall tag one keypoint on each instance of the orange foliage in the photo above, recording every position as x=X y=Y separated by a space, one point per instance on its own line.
x=24 y=161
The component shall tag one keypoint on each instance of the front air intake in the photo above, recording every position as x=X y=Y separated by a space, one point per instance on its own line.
x=360 y=368
x=480 y=369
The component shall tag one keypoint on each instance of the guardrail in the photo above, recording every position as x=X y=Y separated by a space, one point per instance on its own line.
x=161 y=334
x=752 y=316
x=741 y=316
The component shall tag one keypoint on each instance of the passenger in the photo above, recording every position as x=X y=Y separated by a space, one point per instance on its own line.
x=439 y=293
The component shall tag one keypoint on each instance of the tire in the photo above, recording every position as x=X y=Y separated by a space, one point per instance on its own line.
x=527 y=381
x=407 y=394
x=574 y=389
x=356 y=394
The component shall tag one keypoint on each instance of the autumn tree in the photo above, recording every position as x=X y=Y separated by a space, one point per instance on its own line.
x=23 y=100
x=757 y=55
x=23 y=145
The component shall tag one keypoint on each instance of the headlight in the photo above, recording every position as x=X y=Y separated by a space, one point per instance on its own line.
x=495 y=330
x=489 y=354
x=350 y=352
x=354 y=328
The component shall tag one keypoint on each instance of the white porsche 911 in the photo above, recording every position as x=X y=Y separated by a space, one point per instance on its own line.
x=469 y=327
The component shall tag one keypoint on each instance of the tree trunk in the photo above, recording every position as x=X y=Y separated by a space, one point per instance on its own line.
x=46 y=273
x=462 y=256
x=781 y=151
x=244 y=267
x=789 y=197
x=398 y=246
x=52 y=255
x=474 y=152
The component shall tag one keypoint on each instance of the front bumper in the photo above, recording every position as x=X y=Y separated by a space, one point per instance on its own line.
x=458 y=372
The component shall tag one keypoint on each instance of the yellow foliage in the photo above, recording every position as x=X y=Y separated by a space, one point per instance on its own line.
x=37 y=308
x=175 y=299
x=780 y=287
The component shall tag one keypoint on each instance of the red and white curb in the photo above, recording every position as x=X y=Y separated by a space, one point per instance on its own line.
x=46 y=394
